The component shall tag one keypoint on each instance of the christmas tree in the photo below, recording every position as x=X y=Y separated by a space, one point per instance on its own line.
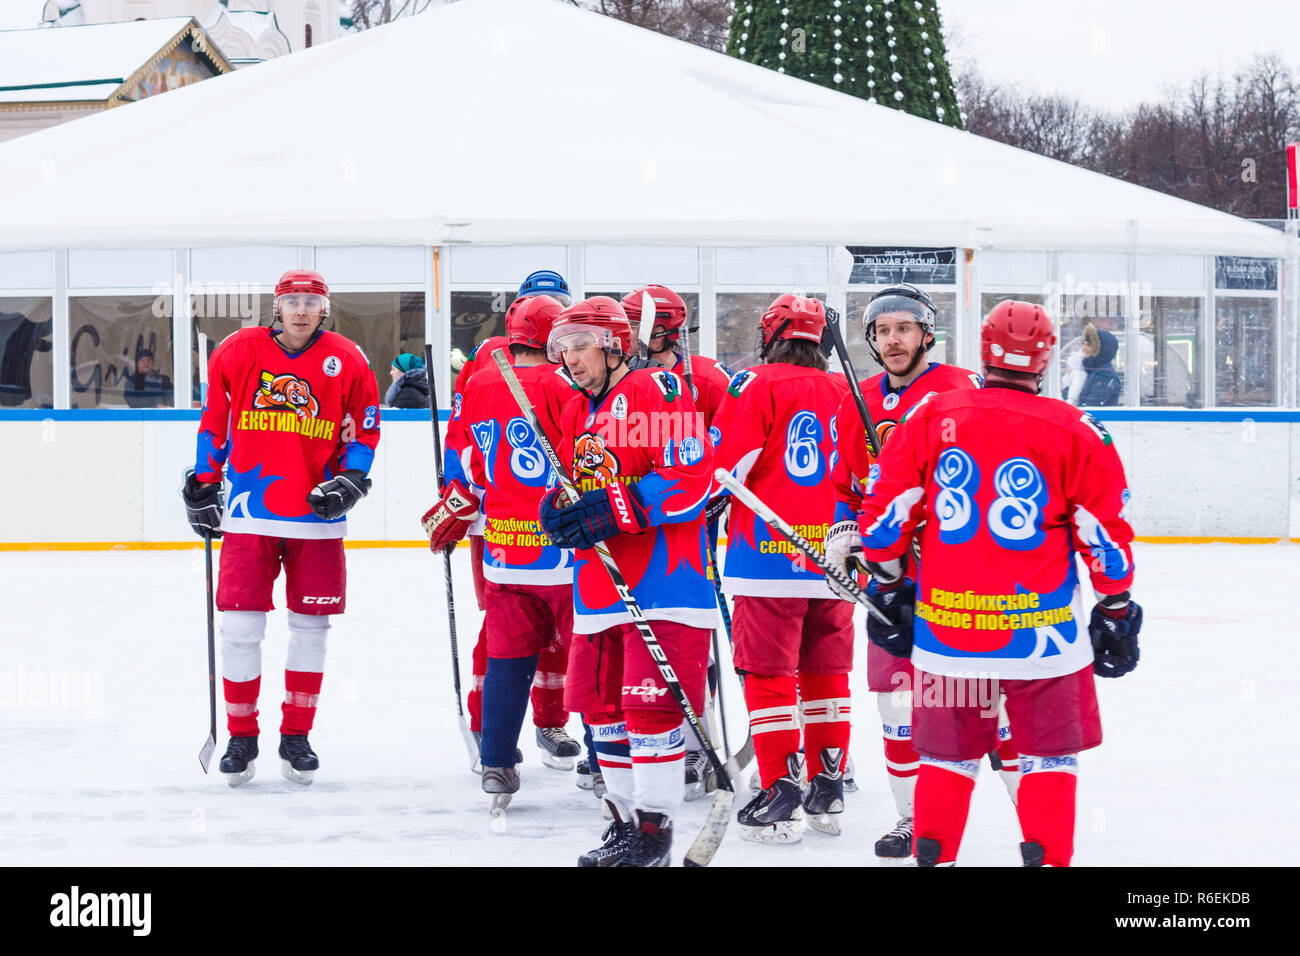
x=889 y=52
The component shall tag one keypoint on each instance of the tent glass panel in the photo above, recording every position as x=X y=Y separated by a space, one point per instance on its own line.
x=121 y=351
x=383 y=324
x=1245 y=344
x=1170 y=343
x=26 y=353
x=1093 y=351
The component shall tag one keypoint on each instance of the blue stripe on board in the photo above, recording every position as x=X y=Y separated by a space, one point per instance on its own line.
x=422 y=415
x=169 y=415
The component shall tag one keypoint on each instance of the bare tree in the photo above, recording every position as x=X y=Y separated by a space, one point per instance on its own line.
x=373 y=13
x=702 y=22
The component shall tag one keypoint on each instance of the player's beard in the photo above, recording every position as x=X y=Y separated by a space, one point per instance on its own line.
x=917 y=358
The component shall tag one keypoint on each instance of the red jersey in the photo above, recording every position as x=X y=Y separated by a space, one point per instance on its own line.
x=853 y=459
x=510 y=472
x=458 y=440
x=273 y=421
x=711 y=378
x=1010 y=486
x=775 y=438
x=648 y=434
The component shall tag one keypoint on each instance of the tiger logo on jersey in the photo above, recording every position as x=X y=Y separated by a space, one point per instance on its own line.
x=592 y=458
x=286 y=392
x=883 y=430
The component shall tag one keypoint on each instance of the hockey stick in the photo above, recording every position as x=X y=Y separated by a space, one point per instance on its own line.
x=646 y=327
x=471 y=745
x=841 y=269
x=746 y=752
x=210 y=745
x=706 y=844
x=778 y=524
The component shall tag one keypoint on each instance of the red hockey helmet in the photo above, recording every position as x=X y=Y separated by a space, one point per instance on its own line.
x=1017 y=336
x=670 y=310
x=793 y=317
x=303 y=282
x=529 y=320
x=599 y=320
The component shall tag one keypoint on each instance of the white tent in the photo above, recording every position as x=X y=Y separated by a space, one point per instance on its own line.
x=519 y=121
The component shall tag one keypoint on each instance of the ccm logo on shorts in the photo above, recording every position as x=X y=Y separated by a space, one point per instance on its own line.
x=322 y=600
x=646 y=690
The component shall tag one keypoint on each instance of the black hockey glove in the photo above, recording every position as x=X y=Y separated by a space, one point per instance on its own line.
x=1114 y=633
x=898 y=604
x=334 y=498
x=203 y=505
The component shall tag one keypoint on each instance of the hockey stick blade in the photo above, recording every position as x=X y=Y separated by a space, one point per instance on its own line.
x=778 y=524
x=206 y=752
x=646 y=327
x=715 y=827
x=841 y=268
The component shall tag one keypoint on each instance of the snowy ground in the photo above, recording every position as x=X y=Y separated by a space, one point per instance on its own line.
x=103 y=707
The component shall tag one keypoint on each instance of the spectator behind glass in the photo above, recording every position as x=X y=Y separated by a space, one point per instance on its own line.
x=147 y=387
x=410 y=388
x=1093 y=380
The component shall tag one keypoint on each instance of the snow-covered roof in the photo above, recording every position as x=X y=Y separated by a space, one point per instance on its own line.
x=520 y=121
x=79 y=62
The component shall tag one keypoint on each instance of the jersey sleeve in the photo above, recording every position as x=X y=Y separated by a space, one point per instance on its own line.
x=1097 y=492
x=741 y=425
x=363 y=405
x=213 y=445
x=677 y=489
x=894 y=500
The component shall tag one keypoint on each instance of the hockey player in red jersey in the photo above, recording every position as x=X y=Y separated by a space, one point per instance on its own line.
x=277 y=404
x=899 y=328
x=642 y=460
x=528 y=590
x=549 y=715
x=669 y=347
x=1010 y=485
x=793 y=637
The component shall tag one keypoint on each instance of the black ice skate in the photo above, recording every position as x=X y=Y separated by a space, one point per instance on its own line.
x=824 y=801
x=558 y=748
x=590 y=781
x=1032 y=853
x=897 y=843
x=697 y=774
x=478 y=742
x=237 y=764
x=776 y=814
x=617 y=837
x=652 y=841
x=850 y=785
x=298 y=763
x=928 y=852
x=502 y=783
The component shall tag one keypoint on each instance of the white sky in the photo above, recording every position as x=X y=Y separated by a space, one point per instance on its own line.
x=1115 y=53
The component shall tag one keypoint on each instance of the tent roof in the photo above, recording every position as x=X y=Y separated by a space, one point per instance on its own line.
x=79 y=62
x=516 y=121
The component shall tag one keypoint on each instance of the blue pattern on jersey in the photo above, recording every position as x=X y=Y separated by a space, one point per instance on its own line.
x=247 y=497
x=208 y=454
x=1024 y=643
x=358 y=455
x=663 y=502
x=803 y=459
x=683 y=588
x=747 y=559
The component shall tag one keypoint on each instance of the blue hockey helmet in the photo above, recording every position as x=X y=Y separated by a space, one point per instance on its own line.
x=547 y=282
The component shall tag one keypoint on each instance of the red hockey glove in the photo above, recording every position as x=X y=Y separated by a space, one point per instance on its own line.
x=448 y=521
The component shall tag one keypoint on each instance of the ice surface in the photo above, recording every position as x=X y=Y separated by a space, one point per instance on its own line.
x=103 y=708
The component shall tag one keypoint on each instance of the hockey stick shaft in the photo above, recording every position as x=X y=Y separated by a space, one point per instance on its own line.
x=779 y=525
x=470 y=744
x=210 y=745
x=706 y=843
x=611 y=566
